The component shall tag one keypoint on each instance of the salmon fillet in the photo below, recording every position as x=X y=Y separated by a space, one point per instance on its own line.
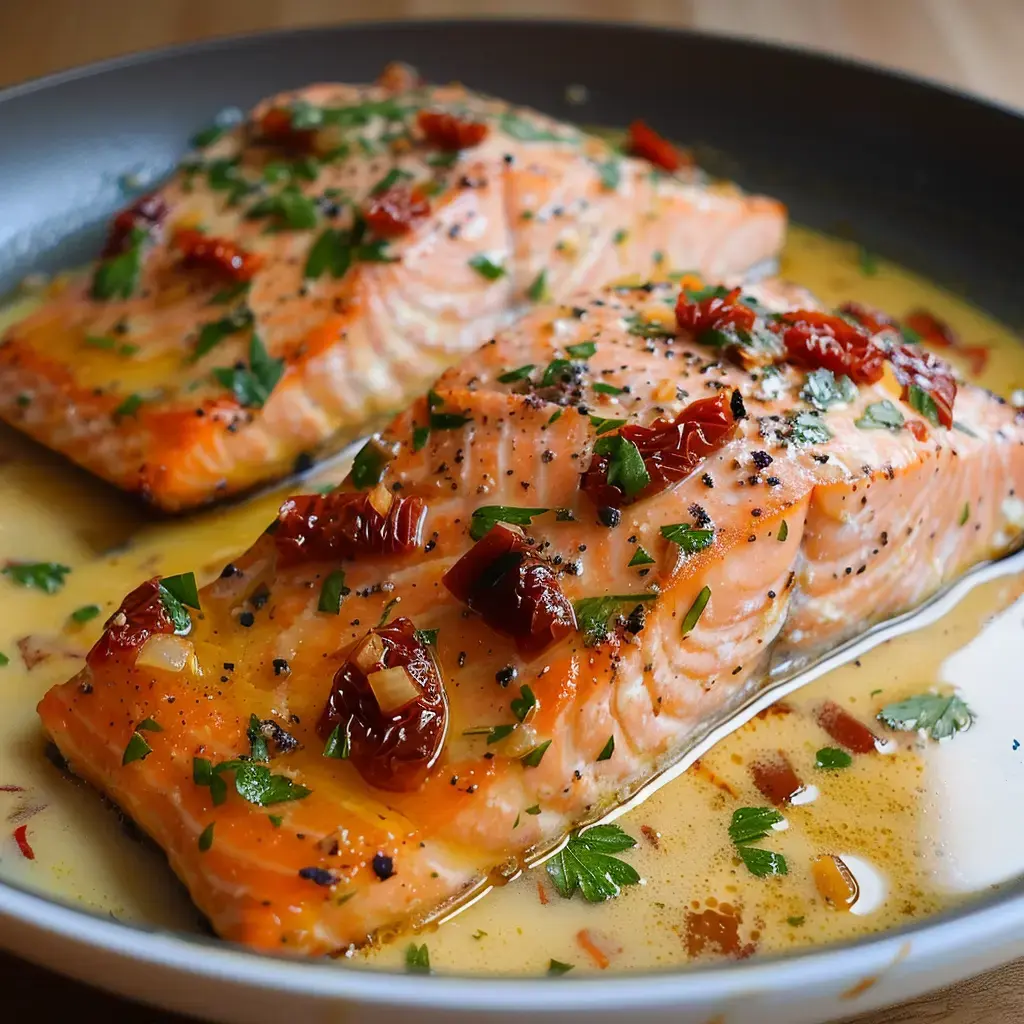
x=317 y=267
x=537 y=661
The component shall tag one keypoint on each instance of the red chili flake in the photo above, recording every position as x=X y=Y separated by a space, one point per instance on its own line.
x=919 y=430
x=395 y=211
x=275 y=126
x=142 y=614
x=515 y=592
x=12 y=789
x=671 y=449
x=446 y=131
x=776 y=778
x=221 y=255
x=646 y=143
x=542 y=894
x=846 y=730
x=147 y=212
x=651 y=835
x=391 y=749
x=873 y=319
x=21 y=838
x=592 y=949
x=712 y=931
x=320 y=528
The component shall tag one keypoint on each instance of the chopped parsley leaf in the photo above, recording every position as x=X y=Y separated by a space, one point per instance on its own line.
x=486 y=516
x=783 y=530
x=696 y=610
x=586 y=863
x=940 y=716
x=795 y=922
x=369 y=464
x=607 y=750
x=534 y=810
x=593 y=614
x=689 y=538
x=117 y=277
x=524 y=703
x=289 y=209
x=640 y=557
x=392 y=178
x=212 y=334
x=642 y=328
x=538 y=290
x=965 y=514
x=206 y=838
x=750 y=824
x=276 y=820
x=336 y=250
x=486 y=267
x=129 y=407
x=582 y=350
x=868 y=262
x=626 y=468
x=4 y=660
x=920 y=401
x=149 y=725
x=832 y=757
x=520 y=373
x=183 y=587
x=823 y=390
x=763 y=863
x=428 y=637
x=610 y=174
x=257 y=741
x=606 y=389
x=420 y=436
x=525 y=131
x=339 y=743
x=556 y=967
x=881 y=415
x=806 y=428
x=603 y=424
x=417 y=958
x=533 y=758
x=252 y=385
x=45 y=576
x=136 y=750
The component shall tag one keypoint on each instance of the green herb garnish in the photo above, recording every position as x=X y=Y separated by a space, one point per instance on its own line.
x=881 y=415
x=538 y=290
x=486 y=267
x=593 y=614
x=524 y=703
x=212 y=334
x=823 y=390
x=289 y=209
x=610 y=174
x=533 y=758
x=965 y=514
x=252 y=385
x=642 y=328
x=806 y=428
x=392 y=178
x=582 y=350
x=427 y=637
x=783 y=530
x=604 y=424
x=832 y=757
x=607 y=750
x=339 y=743
x=940 y=716
x=640 y=557
x=369 y=464
x=206 y=838
x=45 y=576
x=117 y=277
x=332 y=590
x=137 y=749
x=487 y=516
x=606 y=389
x=920 y=401
x=129 y=407
x=690 y=539
x=556 y=967
x=696 y=610
x=257 y=741
x=520 y=373
x=586 y=863
x=417 y=958
x=750 y=824
x=763 y=863
x=626 y=468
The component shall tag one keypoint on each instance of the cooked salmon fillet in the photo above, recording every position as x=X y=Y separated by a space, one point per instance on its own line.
x=535 y=588
x=317 y=267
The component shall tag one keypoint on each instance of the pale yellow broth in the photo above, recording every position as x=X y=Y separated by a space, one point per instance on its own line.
x=883 y=813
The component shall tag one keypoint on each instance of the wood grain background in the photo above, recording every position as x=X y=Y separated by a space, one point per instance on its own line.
x=970 y=44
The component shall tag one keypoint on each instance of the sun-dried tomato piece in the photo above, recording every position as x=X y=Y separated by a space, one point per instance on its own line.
x=446 y=131
x=846 y=730
x=874 y=320
x=646 y=143
x=146 y=213
x=822 y=340
x=915 y=367
x=392 y=748
x=221 y=255
x=141 y=615
x=931 y=329
x=512 y=590
x=671 y=449
x=394 y=211
x=715 y=312
x=919 y=430
x=275 y=126
x=317 y=528
x=776 y=778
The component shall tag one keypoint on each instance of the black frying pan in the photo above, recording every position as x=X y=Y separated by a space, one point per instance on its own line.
x=920 y=174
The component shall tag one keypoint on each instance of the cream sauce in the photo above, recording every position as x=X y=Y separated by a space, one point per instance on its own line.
x=920 y=829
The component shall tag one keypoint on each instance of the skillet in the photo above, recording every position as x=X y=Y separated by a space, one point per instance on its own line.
x=920 y=174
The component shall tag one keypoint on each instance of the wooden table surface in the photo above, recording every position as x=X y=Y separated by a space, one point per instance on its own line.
x=971 y=44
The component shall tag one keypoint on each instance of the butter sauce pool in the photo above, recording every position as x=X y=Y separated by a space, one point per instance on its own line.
x=916 y=825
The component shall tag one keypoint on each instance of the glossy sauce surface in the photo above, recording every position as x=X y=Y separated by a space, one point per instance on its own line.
x=906 y=823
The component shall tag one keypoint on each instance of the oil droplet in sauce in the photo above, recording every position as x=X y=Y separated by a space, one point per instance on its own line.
x=919 y=830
